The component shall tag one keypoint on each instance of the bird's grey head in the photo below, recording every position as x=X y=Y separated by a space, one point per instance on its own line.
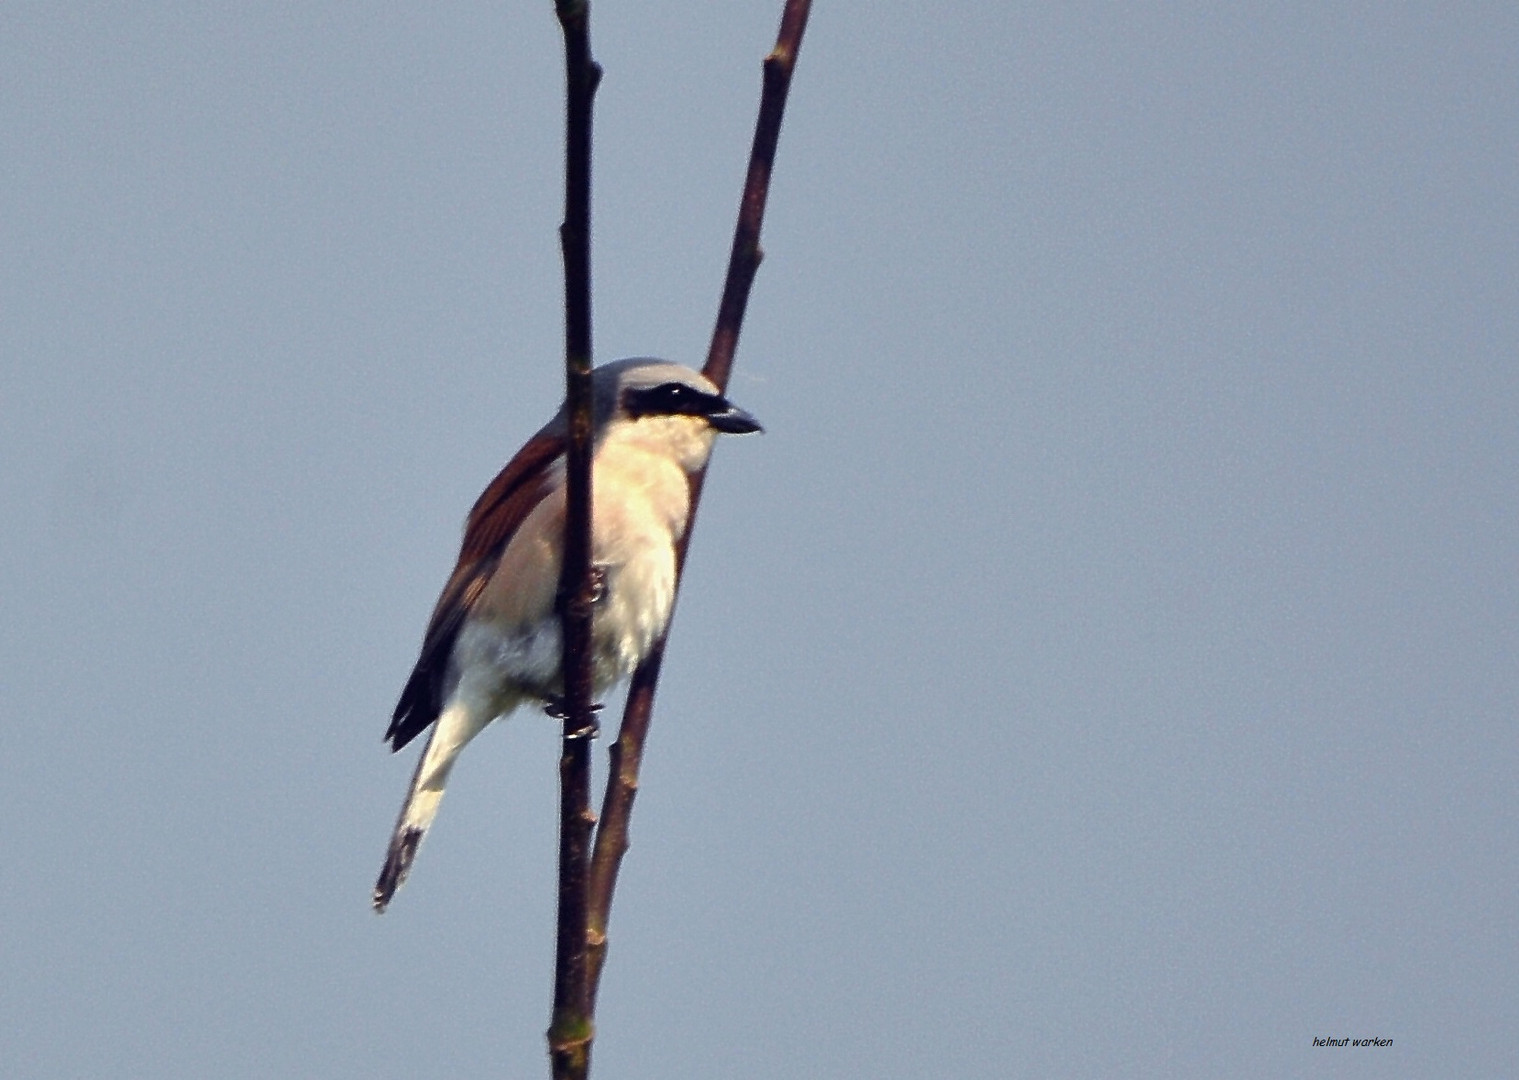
x=643 y=387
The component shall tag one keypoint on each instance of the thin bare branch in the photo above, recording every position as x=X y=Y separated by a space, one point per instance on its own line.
x=570 y=1029
x=627 y=752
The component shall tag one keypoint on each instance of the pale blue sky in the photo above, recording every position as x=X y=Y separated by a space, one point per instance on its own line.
x=1103 y=666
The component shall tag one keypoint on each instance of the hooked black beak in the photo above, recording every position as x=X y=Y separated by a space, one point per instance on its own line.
x=733 y=421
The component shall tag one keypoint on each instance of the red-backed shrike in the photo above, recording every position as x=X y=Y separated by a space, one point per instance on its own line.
x=494 y=639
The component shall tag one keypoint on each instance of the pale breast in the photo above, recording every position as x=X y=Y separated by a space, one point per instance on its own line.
x=642 y=501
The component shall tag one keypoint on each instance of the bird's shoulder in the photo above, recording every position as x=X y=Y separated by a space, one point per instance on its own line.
x=507 y=500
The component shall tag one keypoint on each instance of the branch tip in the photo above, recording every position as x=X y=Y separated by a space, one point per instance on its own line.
x=612 y=841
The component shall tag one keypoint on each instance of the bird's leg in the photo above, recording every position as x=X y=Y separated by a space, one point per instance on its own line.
x=554 y=704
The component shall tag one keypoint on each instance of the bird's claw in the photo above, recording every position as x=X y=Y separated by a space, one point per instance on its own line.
x=598 y=590
x=559 y=709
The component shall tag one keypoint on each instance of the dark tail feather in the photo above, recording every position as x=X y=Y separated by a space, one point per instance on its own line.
x=456 y=727
x=407 y=836
x=403 y=849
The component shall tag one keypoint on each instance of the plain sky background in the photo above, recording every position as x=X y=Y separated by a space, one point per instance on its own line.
x=1103 y=666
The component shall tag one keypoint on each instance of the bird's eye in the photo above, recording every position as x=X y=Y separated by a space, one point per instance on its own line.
x=669 y=399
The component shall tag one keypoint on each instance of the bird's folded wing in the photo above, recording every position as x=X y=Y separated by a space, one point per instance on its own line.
x=500 y=510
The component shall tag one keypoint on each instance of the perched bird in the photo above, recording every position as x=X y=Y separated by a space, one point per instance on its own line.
x=494 y=639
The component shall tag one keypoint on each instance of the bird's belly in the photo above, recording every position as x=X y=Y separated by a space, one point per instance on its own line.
x=507 y=659
x=632 y=611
